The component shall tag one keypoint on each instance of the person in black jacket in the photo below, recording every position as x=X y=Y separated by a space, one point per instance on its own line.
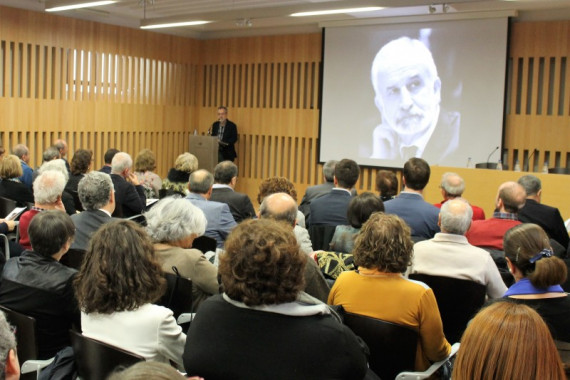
x=227 y=135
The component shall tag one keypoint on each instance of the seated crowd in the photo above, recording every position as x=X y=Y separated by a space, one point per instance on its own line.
x=263 y=304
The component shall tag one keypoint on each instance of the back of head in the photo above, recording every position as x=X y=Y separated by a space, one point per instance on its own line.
x=49 y=231
x=145 y=161
x=147 y=370
x=513 y=196
x=20 y=150
x=361 y=207
x=94 y=190
x=384 y=243
x=224 y=172
x=81 y=161
x=416 y=173
x=174 y=219
x=48 y=187
x=328 y=170
x=507 y=341
x=119 y=271
x=452 y=184
x=346 y=172
x=7 y=343
x=186 y=162
x=262 y=263
x=109 y=154
x=200 y=181
x=57 y=165
x=528 y=247
x=51 y=153
x=531 y=184
x=10 y=167
x=121 y=161
x=279 y=206
x=386 y=183
x=274 y=185
x=456 y=215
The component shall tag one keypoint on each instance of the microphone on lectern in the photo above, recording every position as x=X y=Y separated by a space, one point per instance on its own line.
x=494 y=150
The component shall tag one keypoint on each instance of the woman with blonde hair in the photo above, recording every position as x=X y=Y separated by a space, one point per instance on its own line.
x=145 y=163
x=10 y=186
x=178 y=176
x=507 y=341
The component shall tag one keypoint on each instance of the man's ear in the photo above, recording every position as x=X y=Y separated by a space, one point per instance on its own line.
x=439 y=220
x=12 y=366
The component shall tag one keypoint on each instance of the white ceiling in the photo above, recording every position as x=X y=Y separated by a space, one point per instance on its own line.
x=272 y=16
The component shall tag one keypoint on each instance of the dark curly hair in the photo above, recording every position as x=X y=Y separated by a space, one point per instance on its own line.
x=384 y=243
x=262 y=263
x=274 y=185
x=119 y=271
x=81 y=161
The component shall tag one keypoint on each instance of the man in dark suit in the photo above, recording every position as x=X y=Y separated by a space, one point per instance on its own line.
x=547 y=217
x=227 y=135
x=61 y=146
x=108 y=157
x=330 y=209
x=129 y=193
x=225 y=178
x=410 y=205
x=97 y=196
x=314 y=192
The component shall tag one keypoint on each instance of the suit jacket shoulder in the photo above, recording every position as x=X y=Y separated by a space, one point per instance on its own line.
x=240 y=205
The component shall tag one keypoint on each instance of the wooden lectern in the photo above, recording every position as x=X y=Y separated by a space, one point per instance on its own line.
x=205 y=148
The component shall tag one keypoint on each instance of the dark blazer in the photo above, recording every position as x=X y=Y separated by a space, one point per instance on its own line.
x=86 y=223
x=330 y=209
x=16 y=191
x=547 y=217
x=417 y=213
x=240 y=204
x=314 y=192
x=229 y=137
x=129 y=199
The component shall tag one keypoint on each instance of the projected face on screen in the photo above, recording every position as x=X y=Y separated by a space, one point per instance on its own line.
x=407 y=94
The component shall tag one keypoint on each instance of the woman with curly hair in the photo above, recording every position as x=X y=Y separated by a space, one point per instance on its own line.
x=176 y=182
x=80 y=165
x=116 y=287
x=383 y=251
x=264 y=326
x=145 y=163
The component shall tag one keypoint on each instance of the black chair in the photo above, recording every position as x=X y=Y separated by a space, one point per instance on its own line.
x=321 y=236
x=163 y=193
x=458 y=301
x=27 y=345
x=96 y=360
x=73 y=258
x=178 y=295
x=139 y=218
x=205 y=244
x=6 y=206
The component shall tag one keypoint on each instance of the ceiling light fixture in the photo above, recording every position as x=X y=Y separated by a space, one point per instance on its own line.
x=336 y=11
x=60 y=8
x=173 y=24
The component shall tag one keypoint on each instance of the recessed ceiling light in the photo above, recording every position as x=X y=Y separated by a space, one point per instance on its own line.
x=173 y=24
x=80 y=5
x=337 y=11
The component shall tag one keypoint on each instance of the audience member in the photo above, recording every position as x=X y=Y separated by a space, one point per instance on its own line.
x=22 y=152
x=9 y=365
x=282 y=207
x=452 y=186
x=534 y=211
x=410 y=205
x=116 y=287
x=330 y=209
x=108 y=158
x=225 y=178
x=48 y=189
x=507 y=341
x=10 y=186
x=489 y=233
x=129 y=194
x=219 y=218
x=538 y=275
x=145 y=163
x=149 y=370
x=97 y=197
x=314 y=192
x=59 y=166
x=177 y=179
x=36 y=284
x=359 y=210
x=61 y=146
x=383 y=251
x=449 y=254
x=386 y=184
x=274 y=185
x=173 y=224
x=50 y=154
x=287 y=333
x=80 y=165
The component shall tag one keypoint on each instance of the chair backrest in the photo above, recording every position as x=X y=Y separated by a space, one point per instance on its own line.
x=73 y=258
x=458 y=301
x=205 y=244
x=392 y=347
x=321 y=236
x=25 y=334
x=178 y=295
x=163 y=193
x=6 y=206
x=96 y=360
x=139 y=219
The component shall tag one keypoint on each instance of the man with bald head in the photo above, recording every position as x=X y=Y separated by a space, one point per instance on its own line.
x=449 y=254
x=218 y=215
x=452 y=186
x=61 y=146
x=489 y=233
x=408 y=95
